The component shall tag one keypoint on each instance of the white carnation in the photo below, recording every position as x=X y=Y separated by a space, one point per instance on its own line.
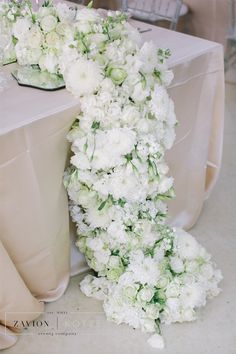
x=83 y=77
x=81 y=161
x=192 y=296
x=187 y=246
x=96 y=244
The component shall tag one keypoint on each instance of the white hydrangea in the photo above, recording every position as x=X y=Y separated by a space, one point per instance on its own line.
x=21 y=28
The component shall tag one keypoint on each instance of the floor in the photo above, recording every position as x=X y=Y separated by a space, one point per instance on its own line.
x=215 y=330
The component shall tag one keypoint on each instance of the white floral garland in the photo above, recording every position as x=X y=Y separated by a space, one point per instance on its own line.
x=146 y=272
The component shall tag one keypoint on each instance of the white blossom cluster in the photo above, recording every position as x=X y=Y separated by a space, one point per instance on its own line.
x=10 y=11
x=146 y=272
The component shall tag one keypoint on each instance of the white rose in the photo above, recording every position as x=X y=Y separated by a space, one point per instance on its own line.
x=53 y=40
x=176 y=264
x=152 y=311
x=114 y=262
x=146 y=294
x=172 y=290
x=48 y=23
x=130 y=291
x=163 y=282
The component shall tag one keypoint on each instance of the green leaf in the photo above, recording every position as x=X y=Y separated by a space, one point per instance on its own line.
x=129 y=157
x=14 y=40
x=95 y=125
x=102 y=205
x=121 y=202
x=90 y=5
x=86 y=146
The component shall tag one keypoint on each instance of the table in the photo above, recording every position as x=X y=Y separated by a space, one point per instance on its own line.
x=34 y=228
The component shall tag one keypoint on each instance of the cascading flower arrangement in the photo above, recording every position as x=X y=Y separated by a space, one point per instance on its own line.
x=146 y=272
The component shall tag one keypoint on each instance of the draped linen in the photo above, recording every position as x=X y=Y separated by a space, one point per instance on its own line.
x=35 y=232
x=209 y=19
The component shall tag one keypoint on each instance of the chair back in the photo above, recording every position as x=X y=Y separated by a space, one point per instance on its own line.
x=154 y=10
x=232 y=18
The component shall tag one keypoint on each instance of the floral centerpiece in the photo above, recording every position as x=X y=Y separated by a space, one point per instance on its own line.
x=146 y=272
